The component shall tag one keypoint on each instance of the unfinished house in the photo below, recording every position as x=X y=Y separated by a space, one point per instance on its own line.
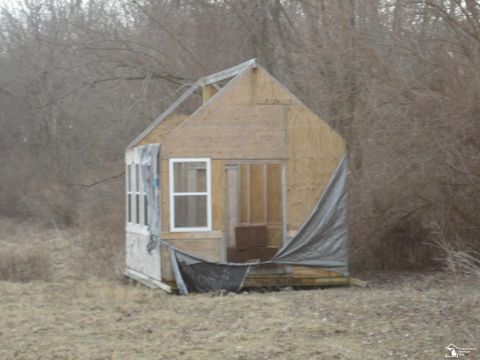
x=246 y=190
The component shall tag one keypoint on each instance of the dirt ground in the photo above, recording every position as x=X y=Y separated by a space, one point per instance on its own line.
x=407 y=316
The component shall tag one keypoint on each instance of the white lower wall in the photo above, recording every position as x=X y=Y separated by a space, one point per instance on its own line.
x=138 y=258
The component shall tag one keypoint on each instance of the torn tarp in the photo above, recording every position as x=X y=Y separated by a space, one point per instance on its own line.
x=321 y=242
x=149 y=171
x=195 y=274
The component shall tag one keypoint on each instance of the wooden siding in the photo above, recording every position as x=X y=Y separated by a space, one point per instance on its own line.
x=314 y=152
x=231 y=126
x=163 y=129
x=267 y=90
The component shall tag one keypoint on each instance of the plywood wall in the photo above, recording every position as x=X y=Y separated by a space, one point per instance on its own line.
x=233 y=125
x=267 y=90
x=314 y=152
x=163 y=129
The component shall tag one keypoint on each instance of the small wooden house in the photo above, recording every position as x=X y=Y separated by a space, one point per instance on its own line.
x=235 y=179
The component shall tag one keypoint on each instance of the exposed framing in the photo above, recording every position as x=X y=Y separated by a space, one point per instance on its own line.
x=206 y=80
x=173 y=194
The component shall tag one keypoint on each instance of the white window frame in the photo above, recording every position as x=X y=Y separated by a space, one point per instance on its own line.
x=172 y=194
x=132 y=158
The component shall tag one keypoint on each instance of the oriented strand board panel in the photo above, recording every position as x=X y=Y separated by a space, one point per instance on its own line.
x=244 y=193
x=305 y=271
x=158 y=134
x=274 y=189
x=165 y=198
x=274 y=235
x=239 y=91
x=267 y=89
x=207 y=92
x=230 y=132
x=314 y=152
x=230 y=126
x=206 y=248
x=257 y=193
x=218 y=194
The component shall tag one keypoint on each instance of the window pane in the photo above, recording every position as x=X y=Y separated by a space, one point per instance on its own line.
x=129 y=207
x=190 y=211
x=145 y=202
x=129 y=177
x=137 y=178
x=137 y=208
x=190 y=176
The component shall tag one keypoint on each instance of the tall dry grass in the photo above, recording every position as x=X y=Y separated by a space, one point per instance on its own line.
x=39 y=252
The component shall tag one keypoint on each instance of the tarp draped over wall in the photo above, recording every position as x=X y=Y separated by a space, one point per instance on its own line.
x=322 y=241
x=151 y=183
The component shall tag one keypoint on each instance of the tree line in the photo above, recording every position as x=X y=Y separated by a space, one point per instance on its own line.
x=399 y=79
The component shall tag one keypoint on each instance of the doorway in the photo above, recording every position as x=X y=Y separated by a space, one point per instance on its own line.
x=254 y=210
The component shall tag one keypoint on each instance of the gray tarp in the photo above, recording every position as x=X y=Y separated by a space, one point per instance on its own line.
x=323 y=239
x=322 y=242
x=149 y=171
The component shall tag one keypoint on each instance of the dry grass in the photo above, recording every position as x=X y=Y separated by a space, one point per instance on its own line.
x=31 y=252
x=395 y=317
x=77 y=314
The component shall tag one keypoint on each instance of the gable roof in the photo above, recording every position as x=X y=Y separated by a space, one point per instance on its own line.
x=271 y=91
x=206 y=80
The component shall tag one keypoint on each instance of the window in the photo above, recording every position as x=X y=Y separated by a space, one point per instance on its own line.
x=190 y=200
x=137 y=205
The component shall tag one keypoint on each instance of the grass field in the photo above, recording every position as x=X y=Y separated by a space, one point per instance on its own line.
x=72 y=314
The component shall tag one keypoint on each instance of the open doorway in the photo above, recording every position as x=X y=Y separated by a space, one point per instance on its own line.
x=254 y=211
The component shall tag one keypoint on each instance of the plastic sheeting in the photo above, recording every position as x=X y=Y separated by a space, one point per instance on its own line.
x=321 y=242
x=195 y=274
x=323 y=239
x=149 y=171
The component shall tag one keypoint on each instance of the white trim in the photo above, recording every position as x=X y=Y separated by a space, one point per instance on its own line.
x=167 y=112
x=206 y=80
x=172 y=194
x=147 y=280
x=227 y=73
x=137 y=229
x=132 y=158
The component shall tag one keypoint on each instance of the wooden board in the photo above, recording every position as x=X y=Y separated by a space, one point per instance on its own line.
x=165 y=198
x=230 y=132
x=281 y=280
x=274 y=196
x=314 y=152
x=232 y=210
x=257 y=194
x=274 y=235
x=230 y=126
x=163 y=129
x=218 y=194
x=307 y=271
x=244 y=194
x=207 y=92
x=267 y=90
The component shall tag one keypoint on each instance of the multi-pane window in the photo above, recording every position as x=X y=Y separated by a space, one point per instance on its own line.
x=137 y=204
x=190 y=208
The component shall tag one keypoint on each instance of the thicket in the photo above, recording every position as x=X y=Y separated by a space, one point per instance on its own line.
x=399 y=79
